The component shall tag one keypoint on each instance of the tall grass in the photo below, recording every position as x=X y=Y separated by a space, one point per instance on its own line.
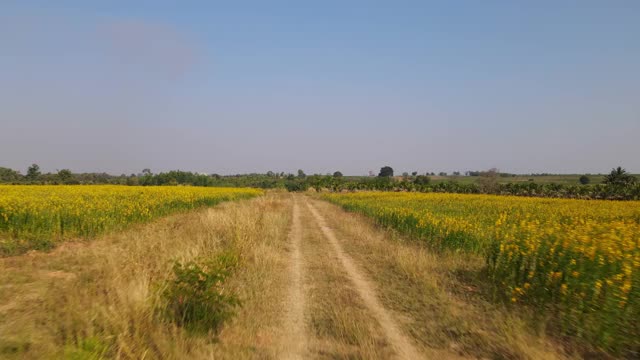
x=110 y=298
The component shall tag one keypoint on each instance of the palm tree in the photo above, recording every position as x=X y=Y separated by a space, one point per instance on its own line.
x=619 y=176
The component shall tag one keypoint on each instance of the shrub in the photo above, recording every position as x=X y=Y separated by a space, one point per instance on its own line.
x=422 y=180
x=488 y=181
x=196 y=297
x=296 y=186
x=584 y=180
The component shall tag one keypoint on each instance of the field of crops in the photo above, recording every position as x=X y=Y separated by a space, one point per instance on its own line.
x=35 y=217
x=579 y=260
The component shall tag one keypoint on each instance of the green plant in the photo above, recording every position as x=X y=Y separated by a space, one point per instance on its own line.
x=196 y=297
x=619 y=177
x=422 y=180
x=292 y=186
x=33 y=172
x=87 y=349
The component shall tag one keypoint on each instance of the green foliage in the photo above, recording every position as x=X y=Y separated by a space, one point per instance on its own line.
x=294 y=185
x=386 y=171
x=87 y=349
x=196 y=297
x=9 y=176
x=619 y=177
x=33 y=172
x=619 y=185
x=584 y=180
x=65 y=176
x=422 y=180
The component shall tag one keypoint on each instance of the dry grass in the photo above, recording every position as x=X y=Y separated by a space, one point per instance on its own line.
x=100 y=298
x=439 y=297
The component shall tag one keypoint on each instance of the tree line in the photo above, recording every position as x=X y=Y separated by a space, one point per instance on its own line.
x=618 y=184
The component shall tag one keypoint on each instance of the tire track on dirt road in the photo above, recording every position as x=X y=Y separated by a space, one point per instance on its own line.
x=295 y=342
x=403 y=347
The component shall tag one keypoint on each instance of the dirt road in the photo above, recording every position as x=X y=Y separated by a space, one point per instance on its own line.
x=333 y=309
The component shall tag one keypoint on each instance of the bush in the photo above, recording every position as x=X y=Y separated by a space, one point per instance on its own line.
x=296 y=186
x=422 y=180
x=196 y=297
x=488 y=181
x=584 y=180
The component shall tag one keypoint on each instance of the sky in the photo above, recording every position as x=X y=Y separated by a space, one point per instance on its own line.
x=251 y=86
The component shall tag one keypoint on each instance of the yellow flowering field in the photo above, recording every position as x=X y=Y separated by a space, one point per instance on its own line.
x=40 y=215
x=579 y=260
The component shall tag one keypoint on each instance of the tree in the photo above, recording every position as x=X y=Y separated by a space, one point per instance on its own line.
x=414 y=173
x=456 y=173
x=386 y=171
x=271 y=173
x=584 y=180
x=488 y=181
x=442 y=173
x=337 y=174
x=301 y=174
x=33 y=172
x=620 y=177
x=9 y=175
x=146 y=171
x=65 y=175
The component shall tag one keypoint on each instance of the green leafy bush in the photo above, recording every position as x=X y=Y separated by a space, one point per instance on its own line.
x=294 y=186
x=196 y=297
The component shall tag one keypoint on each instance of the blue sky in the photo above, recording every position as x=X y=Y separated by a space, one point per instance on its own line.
x=233 y=87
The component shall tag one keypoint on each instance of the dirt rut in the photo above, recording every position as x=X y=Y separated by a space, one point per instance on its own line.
x=401 y=344
x=294 y=343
